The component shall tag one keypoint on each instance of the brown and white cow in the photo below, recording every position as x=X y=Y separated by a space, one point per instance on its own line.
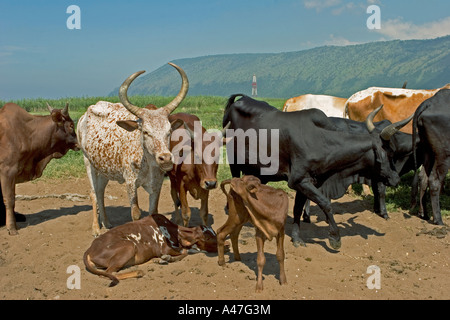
x=331 y=106
x=398 y=103
x=197 y=152
x=125 y=143
x=139 y=241
x=27 y=144
x=266 y=208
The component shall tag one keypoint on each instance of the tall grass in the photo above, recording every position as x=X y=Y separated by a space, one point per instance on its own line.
x=210 y=111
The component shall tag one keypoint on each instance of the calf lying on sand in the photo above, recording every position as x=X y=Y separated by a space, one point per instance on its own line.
x=139 y=241
x=266 y=208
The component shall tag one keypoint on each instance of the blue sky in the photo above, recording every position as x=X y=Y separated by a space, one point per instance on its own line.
x=41 y=57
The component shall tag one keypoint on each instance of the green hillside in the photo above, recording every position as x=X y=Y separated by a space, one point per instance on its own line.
x=332 y=70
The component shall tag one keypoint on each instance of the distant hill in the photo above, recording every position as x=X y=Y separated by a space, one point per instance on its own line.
x=339 y=71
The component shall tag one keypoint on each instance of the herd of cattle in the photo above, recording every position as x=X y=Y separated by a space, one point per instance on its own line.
x=325 y=144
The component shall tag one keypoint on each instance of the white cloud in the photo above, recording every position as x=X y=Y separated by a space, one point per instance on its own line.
x=339 y=41
x=399 y=29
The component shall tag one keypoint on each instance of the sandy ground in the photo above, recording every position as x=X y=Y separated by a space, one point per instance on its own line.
x=413 y=256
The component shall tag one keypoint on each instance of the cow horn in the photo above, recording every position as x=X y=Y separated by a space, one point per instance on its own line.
x=65 y=111
x=224 y=130
x=49 y=107
x=123 y=96
x=390 y=130
x=183 y=91
x=369 y=121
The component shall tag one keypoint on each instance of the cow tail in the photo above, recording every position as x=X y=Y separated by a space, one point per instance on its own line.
x=92 y=269
x=345 y=115
x=2 y=209
x=227 y=108
x=415 y=133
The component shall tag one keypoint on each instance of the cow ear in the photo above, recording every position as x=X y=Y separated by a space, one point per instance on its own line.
x=176 y=124
x=129 y=125
x=57 y=117
x=252 y=187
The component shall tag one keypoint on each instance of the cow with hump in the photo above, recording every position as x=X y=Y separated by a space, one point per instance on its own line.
x=266 y=208
x=310 y=150
x=398 y=103
x=139 y=241
x=27 y=145
x=125 y=143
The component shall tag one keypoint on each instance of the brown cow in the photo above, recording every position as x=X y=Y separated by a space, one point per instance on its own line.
x=398 y=104
x=266 y=208
x=196 y=171
x=27 y=144
x=139 y=241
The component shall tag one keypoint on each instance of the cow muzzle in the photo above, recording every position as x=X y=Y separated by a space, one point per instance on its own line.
x=164 y=161
x=209 y=184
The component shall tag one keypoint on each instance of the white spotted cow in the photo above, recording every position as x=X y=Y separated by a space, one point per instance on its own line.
x=331 y=106
x=125 y=143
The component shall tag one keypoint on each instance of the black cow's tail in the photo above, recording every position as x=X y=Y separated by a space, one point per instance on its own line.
x=226 y=115
x=415 y=133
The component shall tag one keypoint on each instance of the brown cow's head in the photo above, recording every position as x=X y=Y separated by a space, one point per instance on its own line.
x=246 y=184
x=154 y=125
x=65 y=137
x=204 y=237
x=206 y=155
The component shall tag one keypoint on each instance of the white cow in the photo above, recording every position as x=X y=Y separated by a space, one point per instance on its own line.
x=125 y=143
x=331 y=106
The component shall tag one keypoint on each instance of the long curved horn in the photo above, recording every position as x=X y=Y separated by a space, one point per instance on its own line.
x=390 y=130
x=123 y=96
x=183 y=91
x=370 y=117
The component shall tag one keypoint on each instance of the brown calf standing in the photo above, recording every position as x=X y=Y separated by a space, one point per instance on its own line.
x=266 y=208
x=197 y=173
x=139 y=241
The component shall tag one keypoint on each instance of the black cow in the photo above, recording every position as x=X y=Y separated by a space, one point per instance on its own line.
x=431 y=125
x=310 y=150
x=400 y=151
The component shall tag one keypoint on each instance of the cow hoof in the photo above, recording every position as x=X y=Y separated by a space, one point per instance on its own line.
x=13 y=232
x=335 y=244
x=299 y=243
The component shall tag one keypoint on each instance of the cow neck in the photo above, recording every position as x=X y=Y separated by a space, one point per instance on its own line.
x=42 y=130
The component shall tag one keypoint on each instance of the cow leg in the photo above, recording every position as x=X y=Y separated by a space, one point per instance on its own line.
x=312 y=193
x=280 y=255
x=175 y=199
x=436 y=181
x=132 y=197
x=260 y=259
x=153 y=187
x=300 y=200
x=204 y=207
x=98 y=184
x=8 y=189
x=423 y=186
x=379 y=195
x=228 y=228
x=185 y=210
